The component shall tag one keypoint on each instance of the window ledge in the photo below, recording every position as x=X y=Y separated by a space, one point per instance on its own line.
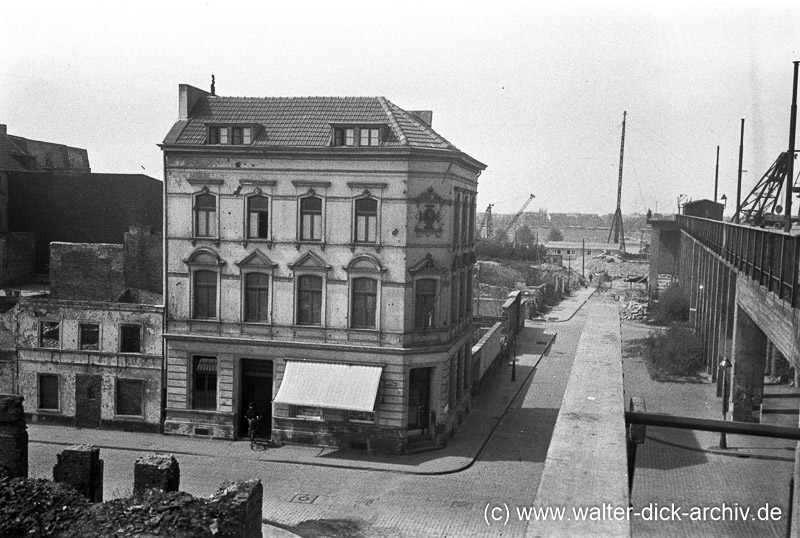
x=49 y=411
x=269 y=243
x=376 y=246
x=129 y=418
x=298 y=244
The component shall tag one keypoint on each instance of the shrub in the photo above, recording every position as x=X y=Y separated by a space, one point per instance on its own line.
x=671 y=306
x=674 y=352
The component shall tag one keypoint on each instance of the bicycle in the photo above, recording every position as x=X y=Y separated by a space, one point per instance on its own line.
x=252 y=426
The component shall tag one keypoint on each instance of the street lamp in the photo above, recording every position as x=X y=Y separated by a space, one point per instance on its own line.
x=724 y=366
x=724 y=200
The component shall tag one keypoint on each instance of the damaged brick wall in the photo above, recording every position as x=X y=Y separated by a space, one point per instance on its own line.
x=13 y=436
x=80 y=466
x=159 y=471
x=143 y=258
x=87 y=271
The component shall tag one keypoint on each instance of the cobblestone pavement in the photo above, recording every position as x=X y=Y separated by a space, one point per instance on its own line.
x=687 y=469
x=382 y=500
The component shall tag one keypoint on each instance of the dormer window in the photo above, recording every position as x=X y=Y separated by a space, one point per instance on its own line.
x=234 y=135
x=370 y=137
x=357 y=136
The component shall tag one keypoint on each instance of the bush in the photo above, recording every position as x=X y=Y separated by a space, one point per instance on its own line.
x=674 y=352
x=671 y=306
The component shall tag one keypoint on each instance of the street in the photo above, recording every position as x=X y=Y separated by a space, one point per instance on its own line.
x=387 y=503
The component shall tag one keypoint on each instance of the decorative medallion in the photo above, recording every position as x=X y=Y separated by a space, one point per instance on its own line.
x=429 y=206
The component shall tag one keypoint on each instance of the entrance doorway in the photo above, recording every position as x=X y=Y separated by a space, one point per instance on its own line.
x=256 y=387
x=87 y=400
x=419 y=401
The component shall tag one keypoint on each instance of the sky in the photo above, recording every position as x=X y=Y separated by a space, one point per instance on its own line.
x=534 y=90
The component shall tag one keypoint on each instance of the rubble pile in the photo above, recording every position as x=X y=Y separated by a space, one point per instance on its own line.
x=635 y=310
x=29 y=505
x=36 y=507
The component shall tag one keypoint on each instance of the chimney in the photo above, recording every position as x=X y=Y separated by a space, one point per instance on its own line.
x=3 y=128
x=187 y=98
x=425 y=116
x=213 y=92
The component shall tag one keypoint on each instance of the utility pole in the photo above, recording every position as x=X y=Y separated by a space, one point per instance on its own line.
x=790 y=165
x=716 y=176
x=739 y=177
x=583 y=258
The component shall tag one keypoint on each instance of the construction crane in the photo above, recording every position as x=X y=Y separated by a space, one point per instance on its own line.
x=762 y=207
x=510 y=224
x=616 y=224
x=487 y=221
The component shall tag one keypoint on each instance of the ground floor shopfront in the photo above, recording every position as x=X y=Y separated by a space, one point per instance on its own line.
x=361 y=398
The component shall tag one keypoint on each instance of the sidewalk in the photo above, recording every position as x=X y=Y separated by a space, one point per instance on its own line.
x=564 y=310
x=488 y=409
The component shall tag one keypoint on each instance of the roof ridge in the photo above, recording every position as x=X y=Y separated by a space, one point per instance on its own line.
x=393 y=123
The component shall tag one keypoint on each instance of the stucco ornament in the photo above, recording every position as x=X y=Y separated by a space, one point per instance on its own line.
x=429 y=206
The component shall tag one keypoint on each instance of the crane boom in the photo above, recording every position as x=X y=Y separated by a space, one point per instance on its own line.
x=510 y=224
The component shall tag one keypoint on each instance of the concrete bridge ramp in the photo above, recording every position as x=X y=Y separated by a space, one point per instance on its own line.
x=585 y=471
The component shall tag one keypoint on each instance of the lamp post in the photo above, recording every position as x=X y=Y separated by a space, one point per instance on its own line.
x=724 y=366
x=724 y=200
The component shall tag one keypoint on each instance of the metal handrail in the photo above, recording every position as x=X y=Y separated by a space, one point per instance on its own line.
x=769 y=257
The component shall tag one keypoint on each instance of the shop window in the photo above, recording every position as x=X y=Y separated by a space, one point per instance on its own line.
x=204 y=383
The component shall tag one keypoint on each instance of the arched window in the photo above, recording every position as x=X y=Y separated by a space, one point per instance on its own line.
x=205 y=215
x=309 y=300
x=258 y=217
x=311 y=219
x=366 y=225
x=364 y=303
x=256 y=297
x=205 y=294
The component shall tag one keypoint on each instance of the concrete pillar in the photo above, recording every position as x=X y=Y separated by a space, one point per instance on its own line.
x=80 y=466
x=156 y=471
x=13 y=436
x=749 y=362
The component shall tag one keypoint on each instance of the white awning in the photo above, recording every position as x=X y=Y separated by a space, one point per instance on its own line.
x=352 y=387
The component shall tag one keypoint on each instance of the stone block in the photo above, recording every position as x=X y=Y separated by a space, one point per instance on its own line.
x=156 y=471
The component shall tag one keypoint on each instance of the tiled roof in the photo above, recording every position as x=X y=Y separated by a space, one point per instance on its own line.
x=305 y=121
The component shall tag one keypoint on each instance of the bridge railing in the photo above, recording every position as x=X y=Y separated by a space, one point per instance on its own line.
x=770 y=257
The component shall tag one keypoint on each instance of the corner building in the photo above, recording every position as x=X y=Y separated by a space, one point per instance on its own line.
x=319 y=256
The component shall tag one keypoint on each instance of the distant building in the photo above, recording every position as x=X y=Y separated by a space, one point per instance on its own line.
x=90 y=354
x=319 y=263
x=574 y=250
x=48 y=193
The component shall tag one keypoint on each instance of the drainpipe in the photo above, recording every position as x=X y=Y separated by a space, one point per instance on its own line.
x=164 y=289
